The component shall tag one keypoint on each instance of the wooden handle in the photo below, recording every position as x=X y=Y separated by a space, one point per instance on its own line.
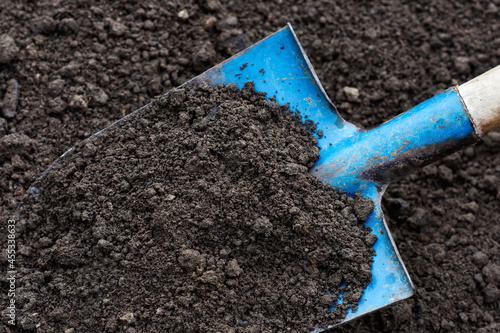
x=482 y=99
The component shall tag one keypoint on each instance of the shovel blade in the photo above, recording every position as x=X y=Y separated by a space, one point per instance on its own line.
x=279 y=67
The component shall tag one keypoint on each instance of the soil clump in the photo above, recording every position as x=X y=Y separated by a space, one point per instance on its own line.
x=195 y=214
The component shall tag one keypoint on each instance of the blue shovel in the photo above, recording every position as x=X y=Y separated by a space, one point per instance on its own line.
x=354 y=159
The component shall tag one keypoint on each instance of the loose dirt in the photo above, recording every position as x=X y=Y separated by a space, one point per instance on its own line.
x=82 y=64
x=195 y=214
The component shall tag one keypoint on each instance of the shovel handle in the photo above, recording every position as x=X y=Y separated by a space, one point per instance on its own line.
x=481 y=97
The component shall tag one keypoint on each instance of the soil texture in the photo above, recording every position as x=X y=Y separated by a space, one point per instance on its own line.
x=195 y=214
x=70 y=68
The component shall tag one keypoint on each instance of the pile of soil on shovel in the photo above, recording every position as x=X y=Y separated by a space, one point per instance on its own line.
x=196 y=213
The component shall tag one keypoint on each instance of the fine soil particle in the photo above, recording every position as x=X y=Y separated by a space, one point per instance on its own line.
x=117 y=55
x=196 y=214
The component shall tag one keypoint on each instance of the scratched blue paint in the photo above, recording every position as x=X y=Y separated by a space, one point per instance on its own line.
x=373 y=157
x=351 y=159
x=279 y=67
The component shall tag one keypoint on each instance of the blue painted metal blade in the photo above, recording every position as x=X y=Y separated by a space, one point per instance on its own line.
x=279 y=67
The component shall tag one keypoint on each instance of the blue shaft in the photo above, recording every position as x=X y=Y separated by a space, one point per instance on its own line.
x=370 y=159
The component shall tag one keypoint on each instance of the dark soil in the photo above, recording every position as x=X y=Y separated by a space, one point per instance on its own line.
x=195 y=214
x=81 y=65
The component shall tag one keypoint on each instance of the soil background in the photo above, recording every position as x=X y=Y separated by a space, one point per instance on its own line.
x=70 y=68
